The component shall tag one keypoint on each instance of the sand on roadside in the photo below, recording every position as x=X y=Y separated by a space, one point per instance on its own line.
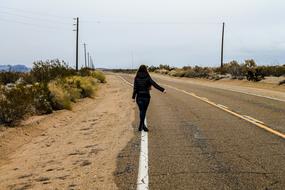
x=70 y=149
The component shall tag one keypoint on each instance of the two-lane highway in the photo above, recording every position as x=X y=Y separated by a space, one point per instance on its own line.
x=195 y=145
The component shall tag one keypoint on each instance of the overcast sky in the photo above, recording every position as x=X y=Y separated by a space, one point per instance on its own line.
x=174 y=32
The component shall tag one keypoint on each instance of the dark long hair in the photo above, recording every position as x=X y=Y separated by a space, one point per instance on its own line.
x=142 y=72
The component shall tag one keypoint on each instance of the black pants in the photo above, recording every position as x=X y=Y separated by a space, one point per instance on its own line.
x=143 y=103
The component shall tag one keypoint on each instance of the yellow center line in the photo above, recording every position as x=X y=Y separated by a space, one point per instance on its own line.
x=246 y=118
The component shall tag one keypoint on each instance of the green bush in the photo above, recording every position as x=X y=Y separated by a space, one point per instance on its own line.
x=42 y=99
x=10 y=77
x=50 y=70
x=276 y=71
x=233 y=68
x=254 y=74
x=198 y=72
x=165 y=67
x=15 y=102
x=152 y=68
x=85 y=71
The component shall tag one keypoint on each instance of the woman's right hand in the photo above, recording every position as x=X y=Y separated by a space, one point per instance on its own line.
x=164 y=92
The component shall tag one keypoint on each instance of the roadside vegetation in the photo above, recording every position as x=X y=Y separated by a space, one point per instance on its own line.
x=50 y=85
x=233 y=70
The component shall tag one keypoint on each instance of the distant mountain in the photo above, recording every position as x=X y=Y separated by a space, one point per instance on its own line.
x=14 y=68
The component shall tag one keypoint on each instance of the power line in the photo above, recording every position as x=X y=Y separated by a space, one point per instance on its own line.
x=36 y=13
x=34 y=18
x=150 y=23
x=33 y=25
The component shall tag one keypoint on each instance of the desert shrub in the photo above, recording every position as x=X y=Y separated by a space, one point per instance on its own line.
x=28 y=78
x=254 y=74
x=166 y=67
x=87 y=86
x=233 y=68
x=128 y=71
x=152 y=68
x=73 y=86
x=10 y=77
x=99 y=75
x=162 y=71
x=15 y=102
x=201 y=72
x=190 y=73
x=45 y=71
x=85 y=71
x=42 y=99
x=177 y=73
x=59 y=96
x=276 y=71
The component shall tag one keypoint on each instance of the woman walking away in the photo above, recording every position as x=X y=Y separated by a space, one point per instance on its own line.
x=142 y=85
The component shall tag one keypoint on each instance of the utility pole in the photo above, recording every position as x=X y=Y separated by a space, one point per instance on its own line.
x=85 y=54
x=91 y=63
x=222 y=49
x=88 y=59
x=77 y=35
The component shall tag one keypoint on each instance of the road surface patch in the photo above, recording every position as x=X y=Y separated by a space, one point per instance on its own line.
x=254 y=121
x=253 y=94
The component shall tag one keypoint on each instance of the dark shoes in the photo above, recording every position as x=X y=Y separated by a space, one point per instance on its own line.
x=143 y=128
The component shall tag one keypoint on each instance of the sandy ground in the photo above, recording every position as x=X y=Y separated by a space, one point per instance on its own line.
x=70 y=149
x=267 y=88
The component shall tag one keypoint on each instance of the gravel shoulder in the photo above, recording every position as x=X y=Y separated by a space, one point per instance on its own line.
x=75 y=149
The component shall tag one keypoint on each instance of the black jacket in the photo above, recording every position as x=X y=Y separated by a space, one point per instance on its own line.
x=142 y=85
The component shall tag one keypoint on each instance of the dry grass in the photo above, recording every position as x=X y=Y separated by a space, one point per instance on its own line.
x=59 y=96
x=99 y=75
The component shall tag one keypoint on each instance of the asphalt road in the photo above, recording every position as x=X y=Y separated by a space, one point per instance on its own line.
x=195 y=145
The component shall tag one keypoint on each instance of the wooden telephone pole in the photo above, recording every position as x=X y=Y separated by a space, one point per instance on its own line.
x=85 y=54
x=222 y=49
x=77 y=36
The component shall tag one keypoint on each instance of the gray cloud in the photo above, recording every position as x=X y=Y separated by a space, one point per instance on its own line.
x=175 y=32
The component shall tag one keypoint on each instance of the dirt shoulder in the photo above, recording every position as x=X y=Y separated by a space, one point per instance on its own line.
x=70 y=149
x=269 y=89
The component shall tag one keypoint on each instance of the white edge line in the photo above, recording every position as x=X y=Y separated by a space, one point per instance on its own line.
x=142 y=180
